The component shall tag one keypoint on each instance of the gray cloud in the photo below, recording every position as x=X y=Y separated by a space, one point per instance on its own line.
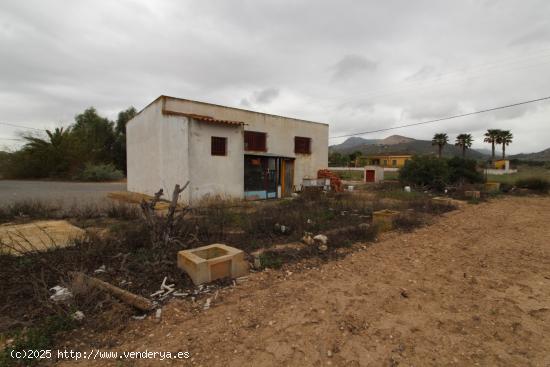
x=358 y=65
x=266 y=95
x=351 y=65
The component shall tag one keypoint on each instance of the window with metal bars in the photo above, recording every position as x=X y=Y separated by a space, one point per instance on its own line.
x=254 y=140
x=302 y=145
x=218 y=146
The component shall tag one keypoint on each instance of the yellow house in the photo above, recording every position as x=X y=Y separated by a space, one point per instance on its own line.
x=501 y=164
x=396 y=161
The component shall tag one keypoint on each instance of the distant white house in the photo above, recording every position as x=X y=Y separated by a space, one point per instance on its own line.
x=222 y=151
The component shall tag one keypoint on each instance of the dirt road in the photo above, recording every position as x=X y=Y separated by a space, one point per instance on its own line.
x=471 y=289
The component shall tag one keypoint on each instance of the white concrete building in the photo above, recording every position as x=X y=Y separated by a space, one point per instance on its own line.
x=222 y=151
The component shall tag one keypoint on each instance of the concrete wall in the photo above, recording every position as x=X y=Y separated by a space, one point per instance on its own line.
x=215 y=175
x=157 y=152
x=280 y=133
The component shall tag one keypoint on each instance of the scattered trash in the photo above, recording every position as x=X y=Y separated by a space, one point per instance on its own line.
x=78 y=316
x=241 y=280
x=101 y=269
x=207 y=304
x=158 y=314
x=281 y=228
x=141 y=317
x=61 y=294
x=309 y=221
x=321 y=239
x=307 y=239
x=407 y=189
x=321 y=242
x=257 y=262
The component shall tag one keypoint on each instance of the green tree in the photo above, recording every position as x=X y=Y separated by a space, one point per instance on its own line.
x=463 y=170
x=505 y=137
x=48 y=157
x=95 y=136
x=119 y=148
x=464 y=141
x=440 y=140
x=353 y=156
x=425 y=171
x=336 y=159
x=491 y=137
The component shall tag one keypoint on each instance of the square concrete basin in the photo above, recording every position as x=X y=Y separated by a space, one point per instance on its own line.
x=208 y=263
x=383 y=219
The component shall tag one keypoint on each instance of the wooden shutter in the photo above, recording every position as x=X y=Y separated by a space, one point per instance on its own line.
x=302 y=145
x=219 y=146
x=254 y=140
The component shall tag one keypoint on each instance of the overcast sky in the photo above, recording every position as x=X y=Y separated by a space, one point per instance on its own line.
x=358 y=65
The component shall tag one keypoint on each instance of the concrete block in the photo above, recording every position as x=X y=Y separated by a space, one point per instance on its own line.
x=208 y=263
x=383 y=219
x=492 y=186
x=38 y=235
x=472 y=194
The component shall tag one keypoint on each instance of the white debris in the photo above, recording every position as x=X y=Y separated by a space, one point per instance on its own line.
x=207 y=304
x=407 y=189
x=78 y=316
x=61 y=294
x=180 y=294
x=157 y=293
x=323 y=248
x=158 y=314
x=141 y=317
x=241 y=279
x=321 y=239
x=101 y=269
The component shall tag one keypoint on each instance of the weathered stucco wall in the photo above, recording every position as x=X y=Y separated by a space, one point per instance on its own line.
x=280 y=133
x=215 y=175
x=157 y=152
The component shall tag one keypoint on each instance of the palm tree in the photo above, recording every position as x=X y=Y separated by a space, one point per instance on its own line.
x=491 y=136
x=504 y=137
x=464 y=141
x=440 y=140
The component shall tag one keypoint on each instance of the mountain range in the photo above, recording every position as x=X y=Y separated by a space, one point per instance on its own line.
x=397 y=144
x=543 y=155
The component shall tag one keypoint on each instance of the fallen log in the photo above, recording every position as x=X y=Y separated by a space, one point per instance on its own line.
x=125 y=296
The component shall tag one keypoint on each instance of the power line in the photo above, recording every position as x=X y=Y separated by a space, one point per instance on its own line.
x=20 y=126
x=443 y=118
x=11 y=139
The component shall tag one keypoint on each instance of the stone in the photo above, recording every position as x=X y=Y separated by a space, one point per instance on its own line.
x=208 y=263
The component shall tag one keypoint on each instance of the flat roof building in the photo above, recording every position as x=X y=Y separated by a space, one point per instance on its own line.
x=222 y=151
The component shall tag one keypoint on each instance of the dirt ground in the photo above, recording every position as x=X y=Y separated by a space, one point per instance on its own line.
x=471 y=289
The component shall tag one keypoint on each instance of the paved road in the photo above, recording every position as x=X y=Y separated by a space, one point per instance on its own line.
x=66 y=193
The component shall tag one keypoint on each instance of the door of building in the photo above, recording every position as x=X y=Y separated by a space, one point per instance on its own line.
x=287 y=177
x=369 y=175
